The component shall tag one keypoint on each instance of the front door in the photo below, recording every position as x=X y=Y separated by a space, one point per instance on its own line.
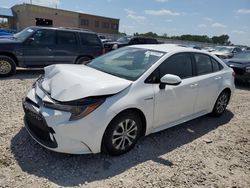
x=175 y=103
x=38 y=49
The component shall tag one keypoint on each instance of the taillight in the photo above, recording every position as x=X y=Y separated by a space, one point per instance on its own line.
x=233 y=74
x=103 y=51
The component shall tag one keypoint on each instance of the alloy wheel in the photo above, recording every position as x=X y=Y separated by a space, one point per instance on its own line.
x=222 y=103
x=125 y=134
x=5 y=67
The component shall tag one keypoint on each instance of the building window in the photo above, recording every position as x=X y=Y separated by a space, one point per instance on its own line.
x=105 y=25
x=85 y=22
x=97 y=24
x=114 y=26
x=44 y=22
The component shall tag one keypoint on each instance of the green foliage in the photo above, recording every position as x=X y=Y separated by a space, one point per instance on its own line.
x=222 y=39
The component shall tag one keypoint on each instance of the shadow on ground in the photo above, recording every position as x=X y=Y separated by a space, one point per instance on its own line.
x=72 y=170
x=22 y=74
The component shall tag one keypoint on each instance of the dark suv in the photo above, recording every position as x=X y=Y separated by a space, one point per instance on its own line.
x=127 y=40
x=42 y=46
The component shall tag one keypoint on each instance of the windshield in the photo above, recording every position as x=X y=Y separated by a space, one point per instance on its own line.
x=24 y=34
x=123 y=39
x=128 y=63
x=243 y=55
x=224 y=49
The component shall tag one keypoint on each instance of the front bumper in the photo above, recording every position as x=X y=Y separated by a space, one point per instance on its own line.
x=37 y=126
x=243 y=77
x=241 y=74
x=50 y=137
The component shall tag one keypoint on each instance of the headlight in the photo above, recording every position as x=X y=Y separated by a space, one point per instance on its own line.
x=115 y=46
x=248 y=69
x=39 y=79
x=79 y=108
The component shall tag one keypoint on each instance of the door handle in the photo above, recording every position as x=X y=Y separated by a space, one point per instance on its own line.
x=193 y=85
x=217 y=78
x=49 y=49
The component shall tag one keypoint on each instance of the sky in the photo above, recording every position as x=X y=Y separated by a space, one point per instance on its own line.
x=172 y=17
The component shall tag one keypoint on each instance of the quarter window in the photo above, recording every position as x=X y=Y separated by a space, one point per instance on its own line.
x=203 y=64
x=180 y=65
x=216 y=66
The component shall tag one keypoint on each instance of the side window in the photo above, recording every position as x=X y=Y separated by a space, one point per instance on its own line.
x=180 y=65
x=216 y=66
x=203 y=64
x=89 y=39
x=44 y=37
x=66 y=38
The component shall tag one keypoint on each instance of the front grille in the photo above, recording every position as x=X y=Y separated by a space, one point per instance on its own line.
x=37 y=126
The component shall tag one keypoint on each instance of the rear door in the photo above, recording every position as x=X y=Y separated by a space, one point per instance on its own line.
x=209 y=80
x=67 y=47
x=38 y=48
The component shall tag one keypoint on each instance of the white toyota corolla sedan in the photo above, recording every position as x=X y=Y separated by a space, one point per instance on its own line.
x=108 y=104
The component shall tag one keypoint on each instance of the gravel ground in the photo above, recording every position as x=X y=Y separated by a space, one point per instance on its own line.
x=205 y=152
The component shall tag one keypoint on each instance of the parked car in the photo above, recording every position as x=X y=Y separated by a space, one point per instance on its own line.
x=128 y=40
x=104 y=39
x=42 y=46
x=190 y=46
x=240 y=63
x=108 y=104
x=208 y=49
x=6 y=33
x=225 y=52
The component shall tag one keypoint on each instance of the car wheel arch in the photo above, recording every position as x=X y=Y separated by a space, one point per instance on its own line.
x=82 y=56
x=134 y=110
x=10 y=55
x=228 y=90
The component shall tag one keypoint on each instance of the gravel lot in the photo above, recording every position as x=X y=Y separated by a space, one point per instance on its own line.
x=206 y=152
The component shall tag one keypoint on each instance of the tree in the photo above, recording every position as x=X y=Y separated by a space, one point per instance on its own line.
x=222 y=39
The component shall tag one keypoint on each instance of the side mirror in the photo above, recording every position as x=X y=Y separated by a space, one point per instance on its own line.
x=169 y=79
x=30 y=40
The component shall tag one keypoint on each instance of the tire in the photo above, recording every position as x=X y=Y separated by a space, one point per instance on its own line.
x=221 y=104
x=7 y=66
x=116 y=139
x=83 y=60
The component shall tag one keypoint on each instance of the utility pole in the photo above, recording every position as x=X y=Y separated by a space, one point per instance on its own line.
x=30 y=1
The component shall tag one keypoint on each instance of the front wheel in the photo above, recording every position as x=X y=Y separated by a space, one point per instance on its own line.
x=122 y=133
x=221 y=104
x=83 y=60
x=7 y=66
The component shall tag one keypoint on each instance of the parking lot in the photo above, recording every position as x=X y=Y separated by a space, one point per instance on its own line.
x=205 y=152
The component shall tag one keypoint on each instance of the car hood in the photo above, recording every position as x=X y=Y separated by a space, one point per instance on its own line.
x=220 y=53
x=8 y=40
x=116 y=42
x=71 y=82
x=238 y=62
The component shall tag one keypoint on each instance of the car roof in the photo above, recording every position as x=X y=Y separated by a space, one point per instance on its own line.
x=62 y=29
x=168 y=48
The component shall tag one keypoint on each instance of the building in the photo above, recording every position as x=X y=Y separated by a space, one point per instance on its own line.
x=25 y=15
